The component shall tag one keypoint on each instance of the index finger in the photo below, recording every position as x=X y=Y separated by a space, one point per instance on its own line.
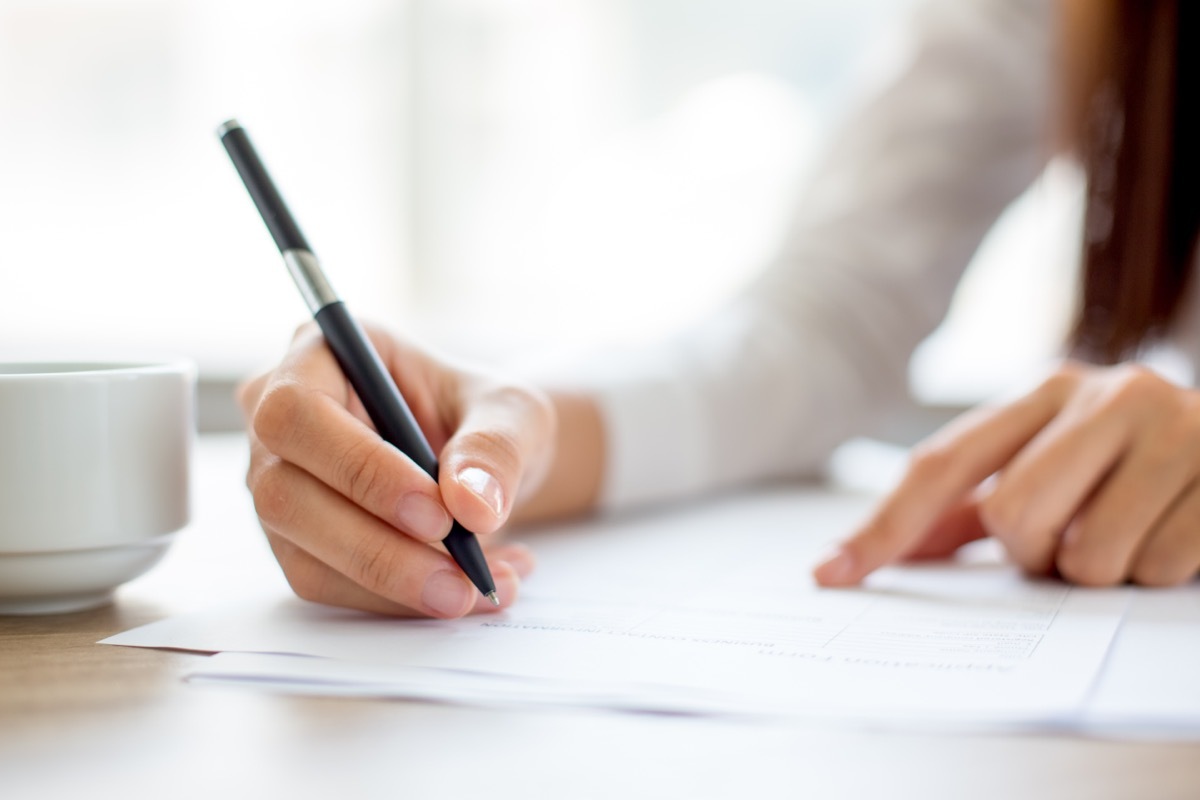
x=306 y=363
x=943 y=469
x=303 y=418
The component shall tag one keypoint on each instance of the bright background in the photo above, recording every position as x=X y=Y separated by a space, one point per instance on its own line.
x=495 y=177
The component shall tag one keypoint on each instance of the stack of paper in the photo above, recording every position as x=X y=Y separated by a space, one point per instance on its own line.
x=712 y=611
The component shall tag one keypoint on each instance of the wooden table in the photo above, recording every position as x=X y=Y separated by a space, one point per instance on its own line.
x=82 y=720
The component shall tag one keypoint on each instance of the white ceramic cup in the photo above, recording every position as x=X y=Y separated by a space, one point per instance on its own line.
x=94 y=472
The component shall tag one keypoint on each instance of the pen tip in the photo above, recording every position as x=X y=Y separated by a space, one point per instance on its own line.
x=495 y=600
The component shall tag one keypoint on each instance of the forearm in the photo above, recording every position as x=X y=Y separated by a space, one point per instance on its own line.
x=816 y=349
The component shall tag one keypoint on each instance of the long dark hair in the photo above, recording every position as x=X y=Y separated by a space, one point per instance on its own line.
x=1139 y=143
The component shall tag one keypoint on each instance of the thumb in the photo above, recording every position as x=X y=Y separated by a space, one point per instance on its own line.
x=502 y=445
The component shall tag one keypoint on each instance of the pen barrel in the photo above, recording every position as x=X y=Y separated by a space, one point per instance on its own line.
x=357 y=357
x=262 y=190
x=465 y=550
x=394 y=420
x=374 y=386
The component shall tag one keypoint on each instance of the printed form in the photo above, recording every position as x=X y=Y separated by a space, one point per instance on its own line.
x=706 y=610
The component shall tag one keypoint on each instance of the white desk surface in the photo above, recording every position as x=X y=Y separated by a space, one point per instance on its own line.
x=83 y=720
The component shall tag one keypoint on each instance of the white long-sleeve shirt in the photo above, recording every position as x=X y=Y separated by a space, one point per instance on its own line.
x=816 y=350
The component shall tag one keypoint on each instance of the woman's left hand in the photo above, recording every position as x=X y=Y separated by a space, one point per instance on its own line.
x=1095 y=475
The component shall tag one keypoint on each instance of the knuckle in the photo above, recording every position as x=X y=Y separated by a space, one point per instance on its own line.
x=1088 y=568
x=1030 y=561
x=1064 y=378
x=254 y=469
x=273 y=496
x=519 y=400
x=373 y=565
x=1001 y=515
x=358 y=470
x=1133 y=385
x=537 y=404
x=274 y=420
x=246 y=394
x=303 y=329
x=259 y=461
x=500 y=448
x=510 y=394
x=1155 y=570
x=1004 y=517
x=518 y=397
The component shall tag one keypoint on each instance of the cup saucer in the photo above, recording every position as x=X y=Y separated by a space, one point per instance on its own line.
x=62 y=581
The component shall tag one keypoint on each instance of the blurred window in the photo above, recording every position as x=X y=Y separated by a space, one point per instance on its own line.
x=492 y=175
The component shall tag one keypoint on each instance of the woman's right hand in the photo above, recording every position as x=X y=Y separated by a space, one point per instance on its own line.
x=352 y=521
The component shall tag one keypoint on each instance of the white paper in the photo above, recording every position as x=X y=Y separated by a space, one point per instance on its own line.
x=1150 y=685
x=329 y=676
x=715 y=604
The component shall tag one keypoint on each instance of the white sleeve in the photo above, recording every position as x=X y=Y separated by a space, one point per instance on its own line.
x=818 y=347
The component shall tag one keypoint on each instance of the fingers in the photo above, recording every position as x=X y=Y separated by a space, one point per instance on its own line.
x=317 y=582
x=943 y=471
x=302 y=417
x=1090 y=487
x=502 y=447
x=1099 y=544
x=313 y=580
x=335 y=499
x=314 y=432
x=502 y=440
x=360 y=546
x=248 y=392
x=1096 y=473
x=1038 y=493
x=1170 y=555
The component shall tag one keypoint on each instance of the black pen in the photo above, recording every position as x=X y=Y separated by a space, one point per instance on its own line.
x=350 y=345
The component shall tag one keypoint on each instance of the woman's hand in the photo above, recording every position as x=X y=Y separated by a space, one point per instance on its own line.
x=352 y=521
x=1093 y=475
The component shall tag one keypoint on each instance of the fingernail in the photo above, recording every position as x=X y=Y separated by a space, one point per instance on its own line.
x=447 y=594
x=483 y=486
x=422 y=516
x=838 y=568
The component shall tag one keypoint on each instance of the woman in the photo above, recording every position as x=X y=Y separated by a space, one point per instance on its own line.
x=1092 y=475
